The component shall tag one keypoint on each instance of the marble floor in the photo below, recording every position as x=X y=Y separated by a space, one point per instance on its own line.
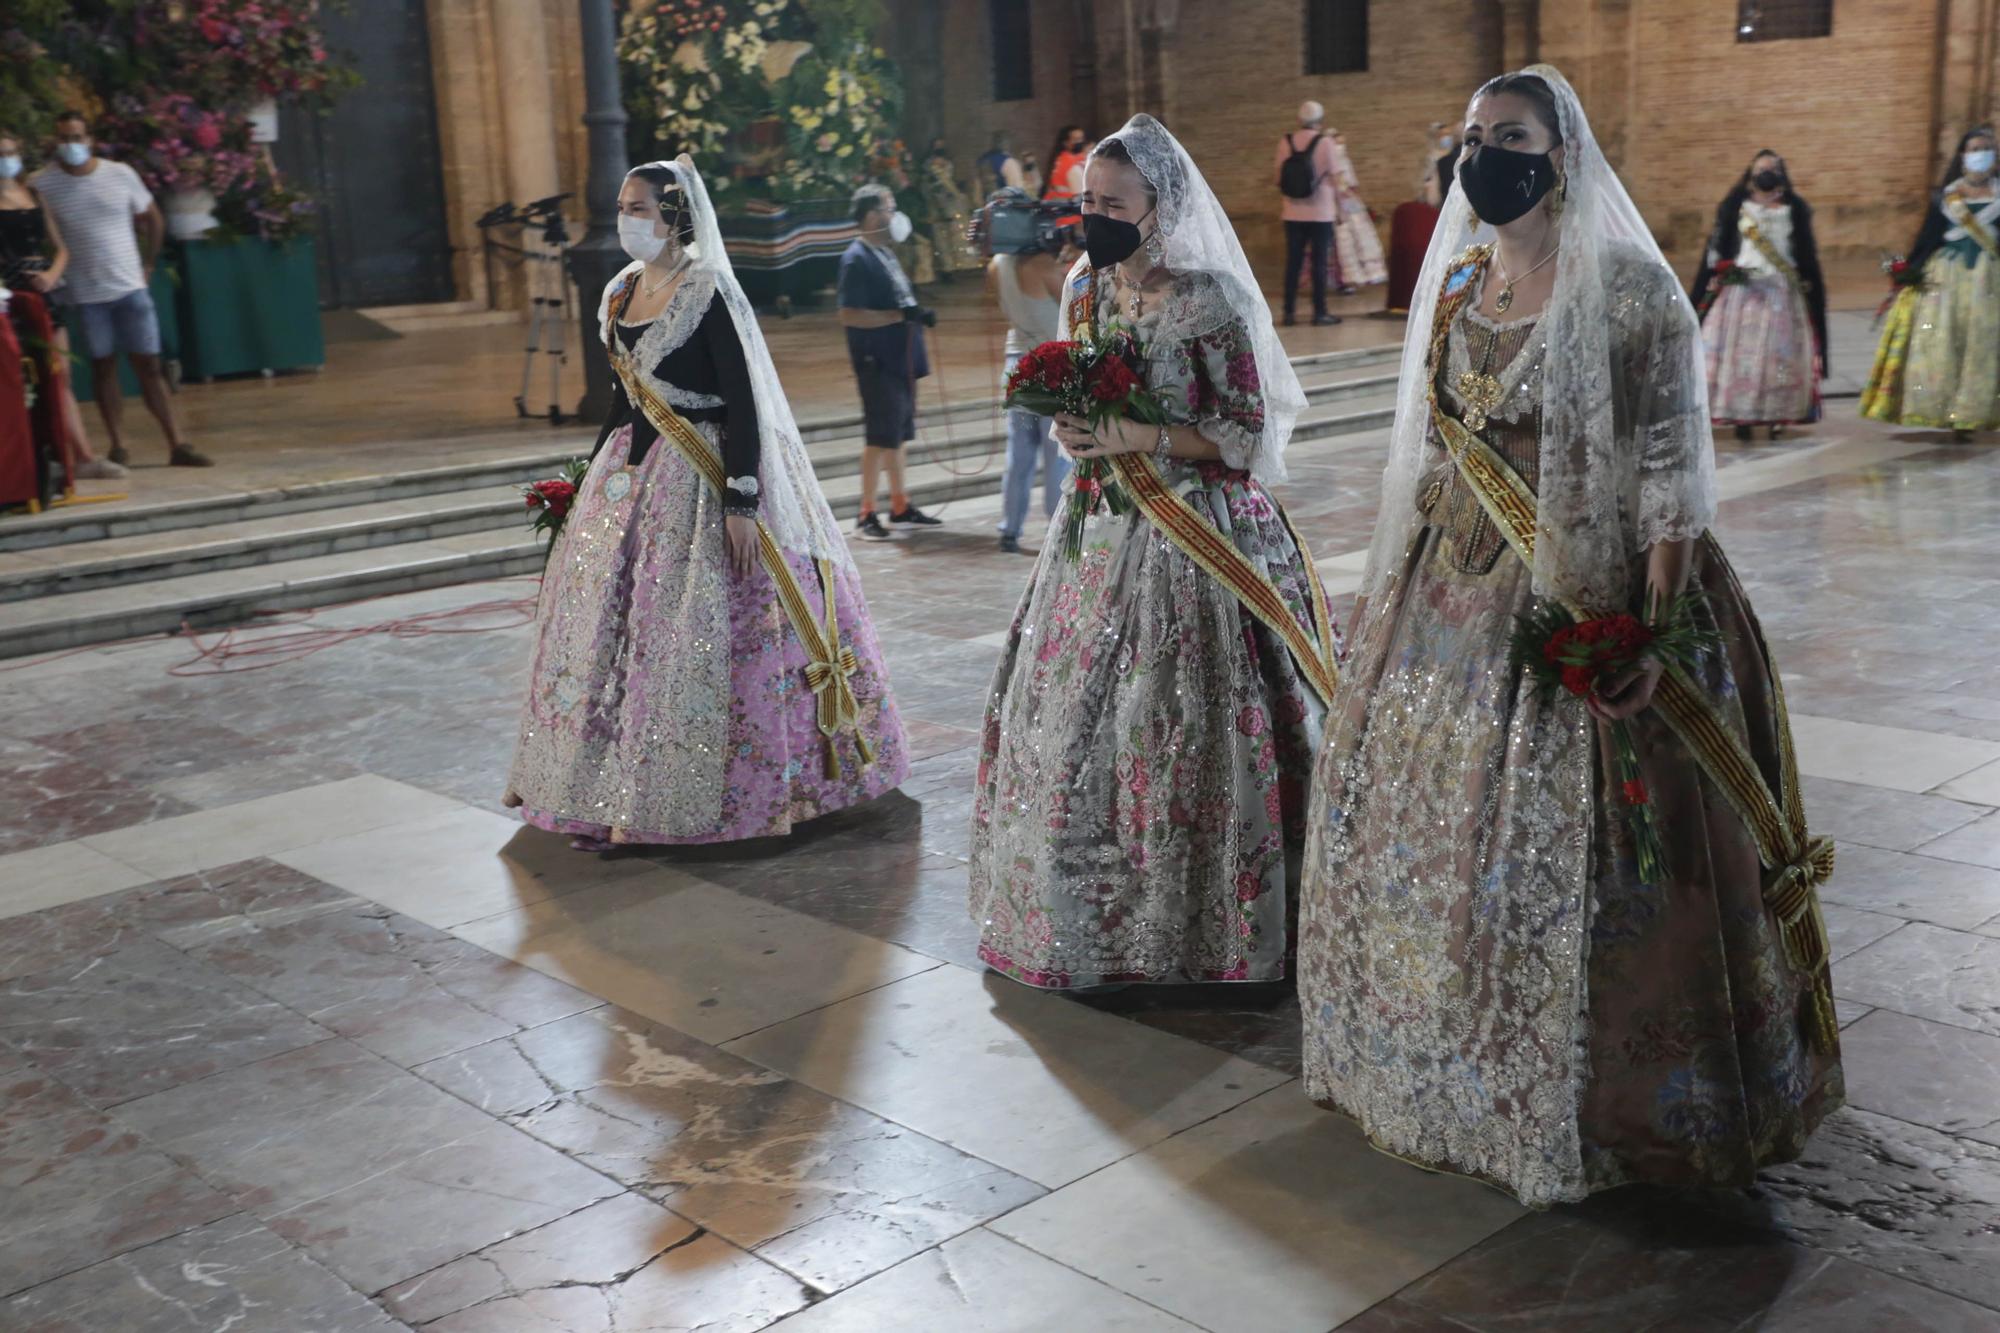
x=300 y=1031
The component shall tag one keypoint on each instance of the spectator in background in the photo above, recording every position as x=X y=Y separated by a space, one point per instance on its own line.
x=1029 y=288
x=1002 y=170
x=1307 y=163
x=32 y=261
x=114 y=231
x=1031 y=176
x=1072 y=150
x=885 y=345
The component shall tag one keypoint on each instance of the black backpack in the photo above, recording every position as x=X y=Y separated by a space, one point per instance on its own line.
x=1296 y=179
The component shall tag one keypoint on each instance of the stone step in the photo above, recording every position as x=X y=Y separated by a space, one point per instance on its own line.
x=833 y=440
x=230 y=575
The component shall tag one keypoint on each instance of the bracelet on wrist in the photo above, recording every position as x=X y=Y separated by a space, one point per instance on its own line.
x=1163 y=448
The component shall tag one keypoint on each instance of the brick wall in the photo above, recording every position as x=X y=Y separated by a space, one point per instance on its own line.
x=1681 y=106
x=1678 y=102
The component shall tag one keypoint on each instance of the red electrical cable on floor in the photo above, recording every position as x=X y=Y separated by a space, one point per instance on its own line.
x=251 y=648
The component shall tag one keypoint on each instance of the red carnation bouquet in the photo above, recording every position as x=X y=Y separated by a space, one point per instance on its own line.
x=1559 y=651
x=549 y=501
x=1901 y=276
x=1097 y=379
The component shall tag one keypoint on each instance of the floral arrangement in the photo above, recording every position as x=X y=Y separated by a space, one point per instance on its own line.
x=1558 y=651
x=548 y=501
x=175 y=82
x=1727 y=273
x=1098 y=380
x=776 y=98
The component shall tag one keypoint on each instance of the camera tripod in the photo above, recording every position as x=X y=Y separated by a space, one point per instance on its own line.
x=548 y=292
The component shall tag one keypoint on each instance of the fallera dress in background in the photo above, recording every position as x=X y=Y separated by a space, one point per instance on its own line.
x=1938 y=363
x=1762 y=347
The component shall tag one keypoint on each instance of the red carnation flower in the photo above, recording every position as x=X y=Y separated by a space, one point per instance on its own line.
x=1635 y=792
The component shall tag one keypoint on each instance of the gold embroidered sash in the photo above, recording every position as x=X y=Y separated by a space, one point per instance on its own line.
x=830 y=665
x=1754 y=234
x=1197 y=539
x=1796 y=861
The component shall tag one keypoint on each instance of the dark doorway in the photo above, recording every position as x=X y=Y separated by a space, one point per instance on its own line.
x=373 y=163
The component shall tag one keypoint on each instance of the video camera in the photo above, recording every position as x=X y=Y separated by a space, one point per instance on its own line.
x=1013 y=224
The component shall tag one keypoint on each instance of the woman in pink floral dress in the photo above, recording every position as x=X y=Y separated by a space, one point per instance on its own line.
x=1142 y=779
x=673 y=697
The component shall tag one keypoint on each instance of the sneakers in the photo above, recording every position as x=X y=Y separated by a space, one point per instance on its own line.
x=914 y=517
x=188 y=456
x=1010 y=545
x=1323 y=320
x=99 y=469
x=870 y=529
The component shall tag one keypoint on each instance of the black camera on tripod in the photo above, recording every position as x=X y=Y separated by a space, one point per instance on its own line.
x=1013 y=224
x=548 y=288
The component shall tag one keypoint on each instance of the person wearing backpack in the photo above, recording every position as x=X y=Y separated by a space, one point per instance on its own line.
x=1307 y=163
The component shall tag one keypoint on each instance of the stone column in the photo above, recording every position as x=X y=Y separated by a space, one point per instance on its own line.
x=597 y=258
x=520 y=39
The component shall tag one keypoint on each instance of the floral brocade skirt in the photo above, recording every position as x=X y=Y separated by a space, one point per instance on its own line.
x=668 y=700
x=1938 y=363
x=1140 y=799
x=1357 y=249
x=1486 y=984
x=1763 y=360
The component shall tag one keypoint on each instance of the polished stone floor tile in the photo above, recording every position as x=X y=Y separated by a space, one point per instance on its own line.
x=186 y=913
x=1849 y=928
x=142 y=1020
x=1878 y=817
x=78 y=1187
x=1976 y=843
x=1275 y=1217
x=396 y=986
x=1947 y=976
x=982 y=1283
x=458 y=866
x=268 y=825
x=621 y=1264
x=696 y=957
x=1897 y=1197
x=231 y=1274
x=1915 y=887
x=824 y=1190
x=1618 y=1264
x=55 y=798
x=150 y=751
x=1928 y=1073
x=917 y=902
x=1031 y=1082
x=1893 y=757
x=63 y=872
x=376 y=1173
x=1981 y=785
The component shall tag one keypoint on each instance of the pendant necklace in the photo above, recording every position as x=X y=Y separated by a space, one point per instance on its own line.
x=1134 y=305
x=679 y=269
x=1506 y=298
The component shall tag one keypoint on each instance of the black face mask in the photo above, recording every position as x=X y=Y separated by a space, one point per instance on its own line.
x=1767 y=180
x=1109 y=240
x=1502 y=185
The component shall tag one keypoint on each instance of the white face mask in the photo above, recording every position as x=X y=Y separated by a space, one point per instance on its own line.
x=900 y=226
x=10 y=167
x=639 y=239
x=1979 y=161
x=73 y=154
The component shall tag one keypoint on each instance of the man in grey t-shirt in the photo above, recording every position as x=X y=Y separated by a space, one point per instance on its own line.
x=113 y=230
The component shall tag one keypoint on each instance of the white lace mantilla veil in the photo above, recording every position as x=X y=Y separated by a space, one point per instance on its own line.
x=1626 y=459
x=790 y=502
x=1198 y=239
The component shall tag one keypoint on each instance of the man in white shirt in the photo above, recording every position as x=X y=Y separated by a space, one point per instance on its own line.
x=114 y=231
